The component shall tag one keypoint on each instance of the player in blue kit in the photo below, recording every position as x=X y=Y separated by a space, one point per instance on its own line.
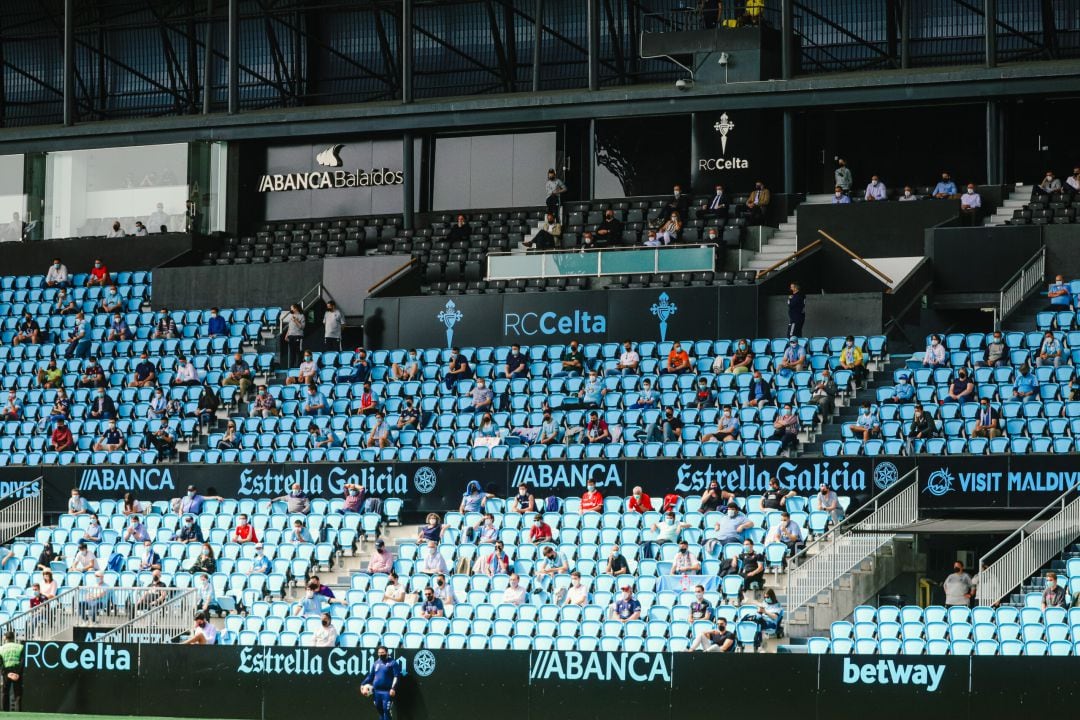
x=381 y=682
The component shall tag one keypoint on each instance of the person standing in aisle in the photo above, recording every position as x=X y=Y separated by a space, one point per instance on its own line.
x=796 y=311
x=293 y=324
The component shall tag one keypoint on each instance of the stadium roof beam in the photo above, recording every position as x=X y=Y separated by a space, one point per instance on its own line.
x=845 y=32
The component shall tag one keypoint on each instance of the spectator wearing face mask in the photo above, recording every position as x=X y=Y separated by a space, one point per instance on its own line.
x=540 y=532
x=433 y=561
x=700 y=607
x=996 y=352
x=851 y=358
x=786 y=426
x=592 y=500
x=431 y=530
x=485 y=531
x=203 y=633
x=727 y=429
x=946 y=188
x=610 y=231
x=626 y=608
x=99 y=275
x=1046 y=187
x=716 y=206
x=244 y=532
x=958 y=587
x=408 y=369
x=866 y=425
x=354 y=499
x=794 y=357
x=732 y=525
x=758 y=203
x=719 y=640
x=971 y=206
x=207 y=598
x=306 y=374
x=935 y=355
x=903 y=391
x=666 y=530
x=616 y=562
x=188 y=532
x=111 y=439
x=742 y=360
x=327 y=634
x=961 y=389
x=578 y=592
x=382 y=560
x=57 y=276
x=639 y=502
x=685 y=562
x=1049 y=351
x=216 y=325
x=908 y=195
x=496 y=562
x=840 y=197
x=297 y=501
x=165 y=328
x=875 y=191
x=987 y=421
x=827 y=501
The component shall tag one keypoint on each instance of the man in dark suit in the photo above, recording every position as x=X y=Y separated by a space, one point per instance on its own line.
x=716 y=206
x=610 y=231
x=679 y=202
x=103 y=407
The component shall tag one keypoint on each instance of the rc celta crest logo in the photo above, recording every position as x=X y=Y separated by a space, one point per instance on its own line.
x=724 y=127
x=450 y=316
x=663 y=309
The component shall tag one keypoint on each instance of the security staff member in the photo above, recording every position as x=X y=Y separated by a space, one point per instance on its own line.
x=383 y=678
x=11 y=654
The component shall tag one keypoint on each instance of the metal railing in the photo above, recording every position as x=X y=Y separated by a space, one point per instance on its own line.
x=1020 y=286
x=789 y=259
x=25 y=513
x=597 y=262
x=860 y=261
x=103 y=607
x=168 y=614
x=843 y=548
x=1029 y=548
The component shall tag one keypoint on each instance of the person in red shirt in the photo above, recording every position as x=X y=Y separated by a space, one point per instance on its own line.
x=540 y=532
x=678 y=361
x=99 y=275
x=244 y=533
x=639 y=502
x=61 y=438
x=592 y=500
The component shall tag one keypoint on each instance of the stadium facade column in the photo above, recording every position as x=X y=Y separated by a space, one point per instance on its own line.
x=990 y=32
x=208 y=60
x=905 y=34
x=408 y=180
x=787 y=47
x=594 y=43
x=538 y=43
x=994 y=144
x=234 y=56
x=789 y=152
x=407 y=55
x=69 y=62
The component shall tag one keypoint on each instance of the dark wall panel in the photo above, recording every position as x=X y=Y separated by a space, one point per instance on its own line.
x=980 y=259
x=642 y=156
x=201 y=287
x=78 y=254
x=891 y=229
x=831 y=314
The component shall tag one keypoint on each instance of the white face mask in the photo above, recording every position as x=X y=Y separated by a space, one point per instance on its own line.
x=907 y=193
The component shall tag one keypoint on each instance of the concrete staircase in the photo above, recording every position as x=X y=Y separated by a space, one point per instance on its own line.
x=775 y=246
x=1018 y=198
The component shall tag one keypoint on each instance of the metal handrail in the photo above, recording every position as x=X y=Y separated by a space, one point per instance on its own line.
x=1018 y=287
x=161 y=623
x=45 y=621
x=882 y=276
x=1032 y=545
x=850 y=542
x=393 y=274
x=26 y=513
x=790 y=258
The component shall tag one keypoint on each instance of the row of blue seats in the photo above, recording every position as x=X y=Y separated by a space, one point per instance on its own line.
x=953 y=446
x=37 y=282
x=983 y=648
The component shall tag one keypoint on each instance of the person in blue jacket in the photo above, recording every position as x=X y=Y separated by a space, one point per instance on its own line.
x=383 y=679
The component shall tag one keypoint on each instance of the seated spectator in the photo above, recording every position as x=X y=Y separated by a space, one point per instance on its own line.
x=666 y=530
x=382 y=560
x=517 y=365
x=353 y=501
x=540 y=532
x=431 y=530
x=903 y=391
x=716 y=206
x=216 y=325
x=240 y=375
x=704 y=396
x=99 y=275
x=1053 y=595
x=379 y=437
x=961 y=389
x=360 y=369
x=327 y=635
x=1049 y=351
x=484 y=531
x=93 y=532
x=840 y=197
x=700 y=608
x=629 y=361
x=28 y=331
x=827 y=501
x=165 y=327
x=1046 y=187
x=206 y=562
x=131 y=506
x=14 y=408
x=794 y=358
x=408 y=369
x=85 y=560
x=592 y=500
x=432 y=606
x=111 y=439
x=368 y=402
x=732 y=525
x=760 y=391
x=970 y=205
x=318 y=438
x=851 y=358
x=727 y=428
x=775 y=497
x=1072 y=183
x=296 y=501
x=665 y=428
x=193 y=502
x=588 y=242
x=875 y=191
x=112 y=301
x=61 y=409
x=596 y=431
x=616 y=562
x=483 y=399
x=157 y=405
x=474 y=499
x=787 y=531
x=48 y=585
x=946 y=188
x=265 y=405
x=719 y=640
x=908 y=195
x=487 y=432
x=866 y=425
x=162 y=440
x=758 y=203
x=314 y=403
x=93 y=375
x=770 y=616
x=306 y=373
x=551 y=563
x=207 y=406
x=457 y=370
x=1027 y=385
x=433 y=561
x=639 y=502
x=408 y=416
x=578 y=593
x=610 y=231
x=523 y=502
x=550 y=432
x=996 y=353
x=750 y=565
x=189 y=531
x=647 y=398
x=57 y=276
x=459 y=231
x=742 y=360
x=1060 y=295
x=394 y=591
x=186 y=375
x=115 y=231
x=136 y=530
x=299 y=533
x=573 y=360
x=935 y=355
x=547 y=235
x=592 y=391
x=678 y=361
x=626 y=608
x=987 y=421
x=145 y=374
x=64 y=305
x=670 y=230
x=50 y=376
x=514 y=593
x=922 y=427
x=714 y=498
x=823 y=393
x=685 y=562
x=244 y=532
x=496 y=562
x=787 y=426
x=77 y=504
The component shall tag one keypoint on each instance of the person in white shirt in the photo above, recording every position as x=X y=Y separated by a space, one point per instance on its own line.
x=308 y=368
x=140 y=229
x=629 y=360
x=333 y=322
x=327 y=634
x=433 y=562
x=115 y=231
x=786 y=531
x=935 y=353
x=204 y=632
x=13 y=231
x=685 y=562
x=514 y=594
x=186 y=374
x=158 y=219
x=970 y=202
x=85 y=560
x=577 y=593
x=57 y=276
x=293 y=323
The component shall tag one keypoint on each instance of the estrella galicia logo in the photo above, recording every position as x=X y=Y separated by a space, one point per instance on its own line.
x=424 y=480
x=423 y=663
x=450 y=316
x=939 y=483
x=602 y=666
x=885 y=475
x=663 y=309
x=329 y=157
